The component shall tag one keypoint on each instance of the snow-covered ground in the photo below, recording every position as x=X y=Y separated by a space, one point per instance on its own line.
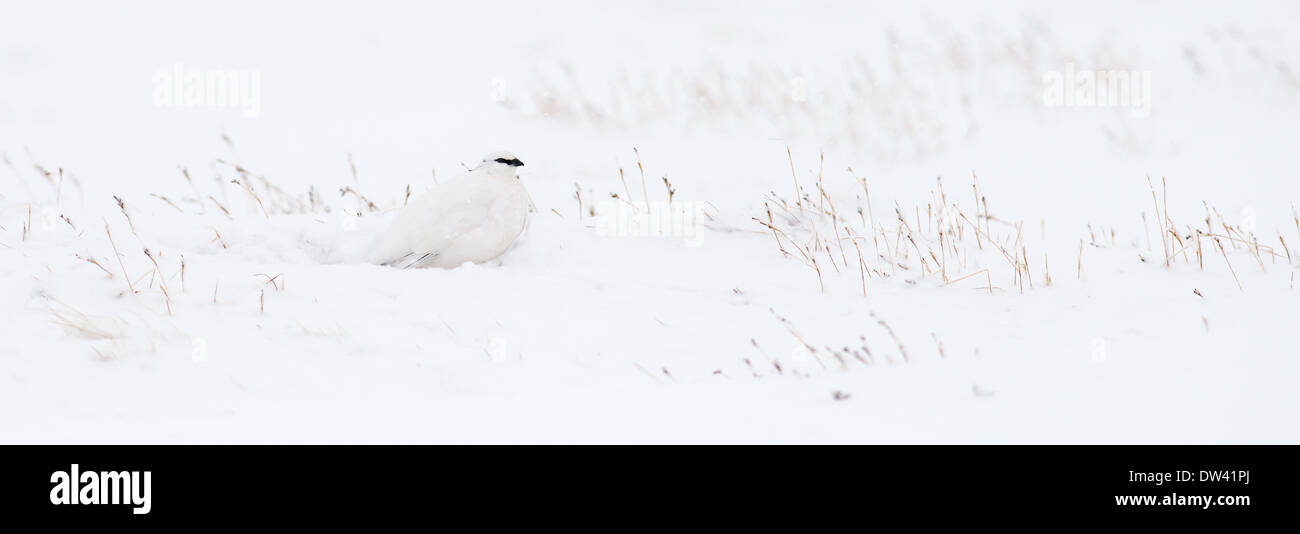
x=250 y=320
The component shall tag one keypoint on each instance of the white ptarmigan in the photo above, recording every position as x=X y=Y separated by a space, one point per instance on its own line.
x=474 y=217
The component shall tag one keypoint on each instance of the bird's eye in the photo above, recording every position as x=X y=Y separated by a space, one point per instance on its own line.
x=503 y=160
x=510 y=162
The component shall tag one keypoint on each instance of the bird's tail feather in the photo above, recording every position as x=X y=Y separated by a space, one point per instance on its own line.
x=411 y=260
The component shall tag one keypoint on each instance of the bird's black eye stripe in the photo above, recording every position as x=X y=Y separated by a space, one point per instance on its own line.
x=510 y=162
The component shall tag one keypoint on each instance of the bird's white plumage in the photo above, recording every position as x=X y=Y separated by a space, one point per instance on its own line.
x=474 y=217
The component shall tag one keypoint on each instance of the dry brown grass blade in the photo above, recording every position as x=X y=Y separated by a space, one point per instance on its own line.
x=130 y=287
x=1230 y=269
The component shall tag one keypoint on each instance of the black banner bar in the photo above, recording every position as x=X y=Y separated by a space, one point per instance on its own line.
x=321 y=484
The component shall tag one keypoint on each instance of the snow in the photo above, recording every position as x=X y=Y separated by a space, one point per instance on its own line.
x=605 y=329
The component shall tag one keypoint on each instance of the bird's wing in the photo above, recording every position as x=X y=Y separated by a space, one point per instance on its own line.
x=432 y=222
